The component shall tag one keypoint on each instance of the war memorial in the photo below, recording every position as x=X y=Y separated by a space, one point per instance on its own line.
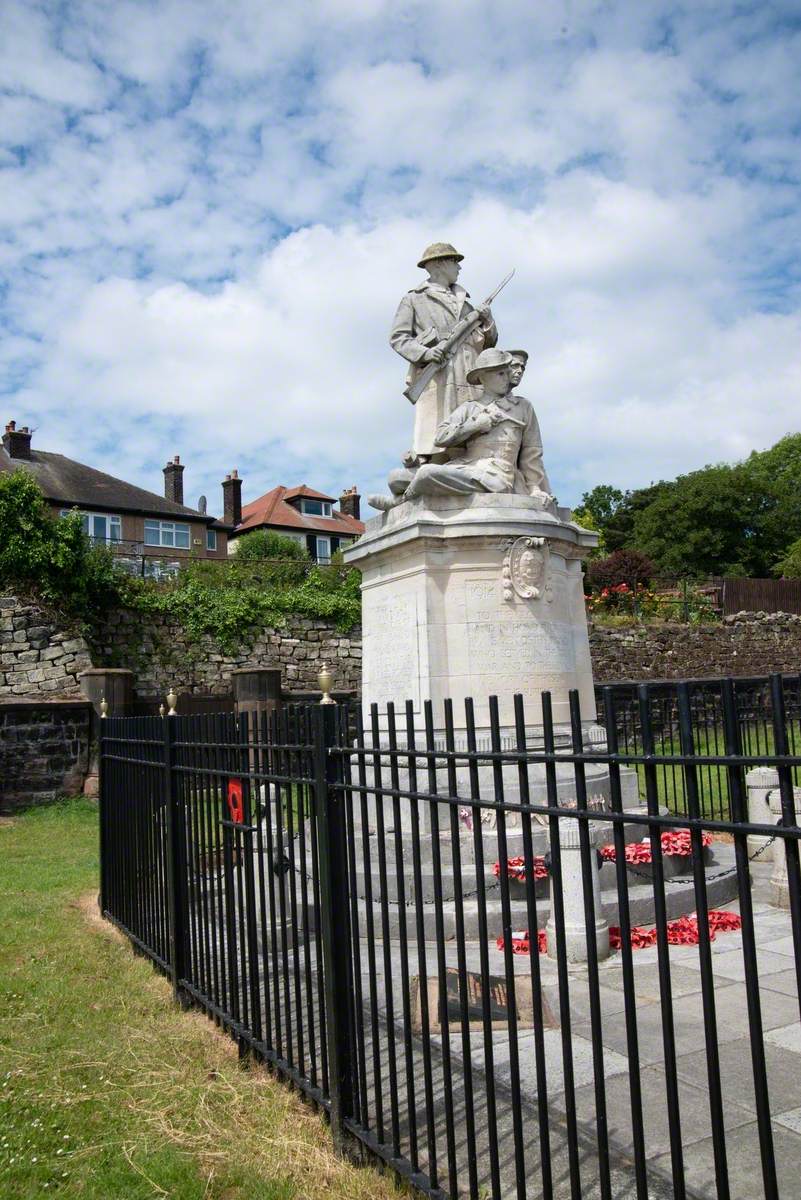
x=516 y=936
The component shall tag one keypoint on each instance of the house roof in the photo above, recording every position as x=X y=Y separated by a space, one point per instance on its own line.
x=305 y=490
x=70 y=483
x=272 y=509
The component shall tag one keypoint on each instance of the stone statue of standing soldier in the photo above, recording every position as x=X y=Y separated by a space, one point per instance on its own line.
x=426 y=316
x=471 y=433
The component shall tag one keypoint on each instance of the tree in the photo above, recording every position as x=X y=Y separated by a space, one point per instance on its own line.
x=602 y=503
x=789 y=566
x=266 y=543
x=583 y=517
x=50 y=555
x=702 y=524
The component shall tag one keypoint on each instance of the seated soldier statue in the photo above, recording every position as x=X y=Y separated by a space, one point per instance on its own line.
x=499 y=439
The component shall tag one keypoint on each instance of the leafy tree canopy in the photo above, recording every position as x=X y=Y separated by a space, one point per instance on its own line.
x=789 y=566
x=738 y=519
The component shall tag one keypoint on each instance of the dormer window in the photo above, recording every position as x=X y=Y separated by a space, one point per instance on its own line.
x=316 y=508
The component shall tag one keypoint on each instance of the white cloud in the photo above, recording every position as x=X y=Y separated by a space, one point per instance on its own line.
x=210 y=210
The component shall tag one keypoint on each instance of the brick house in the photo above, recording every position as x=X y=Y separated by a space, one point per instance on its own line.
x=152 y=533
x=307 y=516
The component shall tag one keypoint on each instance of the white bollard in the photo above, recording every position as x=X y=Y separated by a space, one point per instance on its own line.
x=759 y=783
x=779 y=885
x=573 y=894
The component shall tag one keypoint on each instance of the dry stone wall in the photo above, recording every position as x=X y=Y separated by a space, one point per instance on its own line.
x=160 y=654
x=38 y=656
x=744 y=644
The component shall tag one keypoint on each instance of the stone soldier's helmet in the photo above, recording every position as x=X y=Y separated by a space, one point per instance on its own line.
x=523 y=354
x=488 y=360
x=439 y=250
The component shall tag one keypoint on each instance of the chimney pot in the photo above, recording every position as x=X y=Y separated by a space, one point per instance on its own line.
x=17 y=441
x=350 y=503
x=174 y=481
x=232 y=499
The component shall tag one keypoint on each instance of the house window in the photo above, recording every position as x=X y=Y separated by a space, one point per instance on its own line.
x=323 y=554
x=100 y=527
x=211 y=539
x=316 y=508
x=167 y=533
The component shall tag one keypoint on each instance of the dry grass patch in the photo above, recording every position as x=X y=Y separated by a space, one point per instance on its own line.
x=107 y=1089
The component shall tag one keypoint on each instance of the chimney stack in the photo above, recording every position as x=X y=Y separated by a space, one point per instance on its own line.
x=232 y=499
x=17 y=441
x=350 y=503
x=174 y=481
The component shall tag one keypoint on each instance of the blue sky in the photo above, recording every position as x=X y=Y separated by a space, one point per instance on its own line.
x=210 y=209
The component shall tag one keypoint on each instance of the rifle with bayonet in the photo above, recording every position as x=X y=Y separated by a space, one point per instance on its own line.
x=456 y=337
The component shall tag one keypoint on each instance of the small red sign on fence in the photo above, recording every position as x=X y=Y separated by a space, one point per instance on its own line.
x=236 y=803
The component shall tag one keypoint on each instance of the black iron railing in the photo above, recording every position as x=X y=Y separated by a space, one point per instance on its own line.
x=349 y=897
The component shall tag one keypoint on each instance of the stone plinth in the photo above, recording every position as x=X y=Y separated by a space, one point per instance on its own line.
x=474 y=596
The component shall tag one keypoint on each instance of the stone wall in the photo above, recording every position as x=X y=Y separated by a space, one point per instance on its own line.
x=160 y=654
x=744 y=644
x=44 y=750
x=39 y=657
x=37 y=654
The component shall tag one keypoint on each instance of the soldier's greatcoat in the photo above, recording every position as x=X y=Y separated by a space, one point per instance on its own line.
x=506 y=457
x=426 y=315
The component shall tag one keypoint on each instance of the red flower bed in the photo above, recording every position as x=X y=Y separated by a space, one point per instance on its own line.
x=674 y=842
x=681 y=932
x=516 y=868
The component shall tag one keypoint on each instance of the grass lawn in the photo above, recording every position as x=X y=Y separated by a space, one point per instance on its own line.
x=107 y=1089
x=713 y=782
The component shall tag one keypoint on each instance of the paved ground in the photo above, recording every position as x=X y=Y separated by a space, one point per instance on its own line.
x=782 y=1038
x=499 y=1093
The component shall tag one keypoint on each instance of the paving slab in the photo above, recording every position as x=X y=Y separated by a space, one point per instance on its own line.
x=783 y=945
x=744 y=1165
x=737 y=1079
x=695 y=1122
x=785 y=982
x=582 y=1057
x=787 y=1037
x=732 y=966
x=790 y=1120
x=683 y=980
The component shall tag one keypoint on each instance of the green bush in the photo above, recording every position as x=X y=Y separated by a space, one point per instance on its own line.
x=53 y=558
x=225 y=602
x=50 y=556
x=266 y=543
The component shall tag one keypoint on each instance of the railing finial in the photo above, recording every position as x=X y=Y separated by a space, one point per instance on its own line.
x=103 y=707
x=325 y=680
x=172 y=700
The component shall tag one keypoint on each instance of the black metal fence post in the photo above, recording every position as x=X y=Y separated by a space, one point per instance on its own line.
x=329 y=817
x=103 y=814
x=176 y=861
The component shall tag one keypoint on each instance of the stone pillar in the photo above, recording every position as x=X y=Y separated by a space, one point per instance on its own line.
x=759 y=783
x=573 y=894
x=115 y=685
x=779 y=885
x=256 y=690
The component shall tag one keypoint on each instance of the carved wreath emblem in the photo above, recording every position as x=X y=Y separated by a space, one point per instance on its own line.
x=525 y=567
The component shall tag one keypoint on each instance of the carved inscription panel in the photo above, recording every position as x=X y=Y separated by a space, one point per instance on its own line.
x=520 y=647
x=390 y=649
